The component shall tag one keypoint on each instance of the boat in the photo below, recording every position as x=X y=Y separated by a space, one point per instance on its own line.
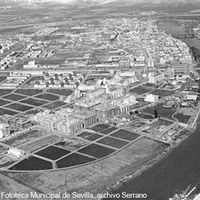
x=187 y=194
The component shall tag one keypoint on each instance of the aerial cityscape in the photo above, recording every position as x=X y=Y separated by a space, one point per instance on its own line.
x=99 y=99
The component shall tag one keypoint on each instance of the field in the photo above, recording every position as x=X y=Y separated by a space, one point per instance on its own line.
x=23 y=138
x=124 y=134
x=5 y=91
x=7 y=112
x=47 y=96
x=28 y=92
x=19 y=107
x=63 y=92
x=113 y=142
x=3 y=102
x=52 y=152
x=96 y=151
x=54 y=105
x=141 y=90
x=34 y=102
x=90 y=136
x=100 y=127
x=109 y=130
x=32 y=163
x=14 y=97
x=72 y=160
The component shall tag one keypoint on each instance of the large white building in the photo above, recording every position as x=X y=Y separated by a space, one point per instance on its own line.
x=16 y=153
x=151 y=98
x=155 y=78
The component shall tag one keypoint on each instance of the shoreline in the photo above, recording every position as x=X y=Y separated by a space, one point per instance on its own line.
x=151 y=162
x=143 y=168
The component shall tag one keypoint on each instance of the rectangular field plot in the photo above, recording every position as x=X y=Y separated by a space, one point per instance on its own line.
x=4 y=102
x=52 y=152
x=100 y=127
x=113 y=142
x=63 y=92
x=72 y=144
x=55 y=105
x=126 y=135
x=19 y=107
x=32 y=163
x=5 y=91
x=90 y=136
x=73 y=160
x=109 y=130
x=47 y=96
x=34 y=102
x=23 y=138
x=96 y=151
x=14 y=97
x=28 y=92
x=4 y=111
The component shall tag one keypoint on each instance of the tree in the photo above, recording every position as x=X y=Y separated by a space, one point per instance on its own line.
x=155 y=113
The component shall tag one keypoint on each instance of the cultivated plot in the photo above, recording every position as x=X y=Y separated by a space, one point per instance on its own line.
x=73 y=160
x=96 y=151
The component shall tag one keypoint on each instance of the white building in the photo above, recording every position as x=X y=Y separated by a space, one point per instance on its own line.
x=31 y=65
x=151 y=98
x=154 y=78
x=16 y=153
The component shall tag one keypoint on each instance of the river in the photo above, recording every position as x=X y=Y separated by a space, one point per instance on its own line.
x=174 y=173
